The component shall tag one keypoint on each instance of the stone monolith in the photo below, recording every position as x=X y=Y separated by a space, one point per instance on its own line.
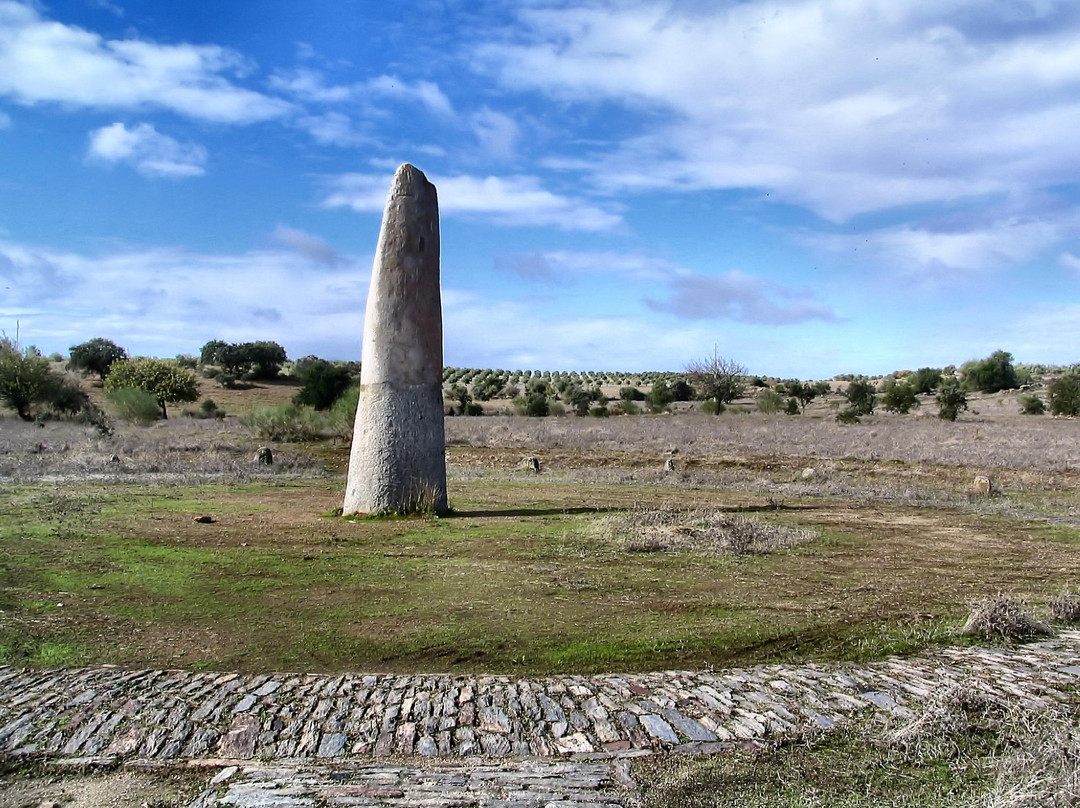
x=398 y=459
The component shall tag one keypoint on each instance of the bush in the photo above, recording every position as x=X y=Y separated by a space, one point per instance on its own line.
x=990 y=375
x=792 y=407
x=285 y=423
x=847 y=416
x=770 y=402
x=1031 y=405
x=951 y=400
x=660 y=396
x=164 y=380
x=925 y=380
x=628 y=407
x=1065 y=607
x=1064 y=395
x=24 y=378
x=631 y=394
x=600 y=411
x=64 y=395
x=897 y=396
x=133 y=405
x=861 y=397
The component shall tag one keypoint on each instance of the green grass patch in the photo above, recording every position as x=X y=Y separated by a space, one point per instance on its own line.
x=516 y=580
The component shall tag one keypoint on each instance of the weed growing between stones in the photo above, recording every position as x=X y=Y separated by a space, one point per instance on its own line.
x=652 y=530
x=967 y=749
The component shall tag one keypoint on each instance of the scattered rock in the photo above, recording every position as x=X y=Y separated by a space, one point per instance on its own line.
x=531 y=464
x=264 y=457
x=808 y=473
x=982 y=486
x=114 y=459
x=669 y=465
x=203 y=520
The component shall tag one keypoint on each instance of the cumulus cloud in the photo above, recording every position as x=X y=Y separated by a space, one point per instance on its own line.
x=46 y=61
x=841 y=106
x=150 y=152
x=738 y=296
x=518 y=201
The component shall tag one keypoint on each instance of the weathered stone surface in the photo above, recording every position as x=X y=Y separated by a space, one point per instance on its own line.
x=398 y=458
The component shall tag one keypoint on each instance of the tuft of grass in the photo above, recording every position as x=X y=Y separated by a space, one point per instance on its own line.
x=1001 y=616
x=651 y=530
x=1065 y=607
x=133 y=405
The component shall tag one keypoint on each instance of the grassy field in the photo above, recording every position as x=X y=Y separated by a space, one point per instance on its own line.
x=105 y=564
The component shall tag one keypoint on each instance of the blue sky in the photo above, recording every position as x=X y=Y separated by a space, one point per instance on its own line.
x=814 y=186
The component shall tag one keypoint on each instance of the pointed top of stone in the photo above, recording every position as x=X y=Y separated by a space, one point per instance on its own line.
x=409 y=181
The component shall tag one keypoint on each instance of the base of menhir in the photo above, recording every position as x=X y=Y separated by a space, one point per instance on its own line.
x=398 y=458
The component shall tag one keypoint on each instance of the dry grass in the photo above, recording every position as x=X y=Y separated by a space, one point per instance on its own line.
x=179 y=447
x=987 y=442
x=1065 y=607
x=651 y=530
x=1003 y=617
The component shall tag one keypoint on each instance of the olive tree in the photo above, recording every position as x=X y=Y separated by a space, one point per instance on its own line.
x=95 y=356
x=165 y=381
x=717 y=378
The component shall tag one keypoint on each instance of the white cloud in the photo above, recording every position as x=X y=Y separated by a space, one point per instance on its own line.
x=496 y=132
x=518 y=201
x=150 y=152
x=46 y=61
x=165 y=301
x=308 y=84
x=738 y=296
x=958 y=250
x=309 y=246
x=842 y=106
x=1070 y=261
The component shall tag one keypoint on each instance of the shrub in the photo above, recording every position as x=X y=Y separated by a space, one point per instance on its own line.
x=861 y=397
x=681 y=391
x=990 y=375
x=631 y=394
x=1031 y=405
x=323 y=382
x=285 y=423
x=925 y=380
x=792 y=407
x=660 y=396
x=628 y=407
x=897 y=396
x=64 y=395
x=1064 y=395
x=600 y=411
x=770 y=402
x=164 y=380
x=847 y=416
x=535 y=405
x=133 y=405
x=24 y=378
x=951 y=400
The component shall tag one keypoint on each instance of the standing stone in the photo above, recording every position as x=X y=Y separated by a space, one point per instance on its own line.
x=398 y=459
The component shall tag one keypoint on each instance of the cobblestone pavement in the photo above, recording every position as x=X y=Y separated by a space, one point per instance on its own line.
x=564 y=733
